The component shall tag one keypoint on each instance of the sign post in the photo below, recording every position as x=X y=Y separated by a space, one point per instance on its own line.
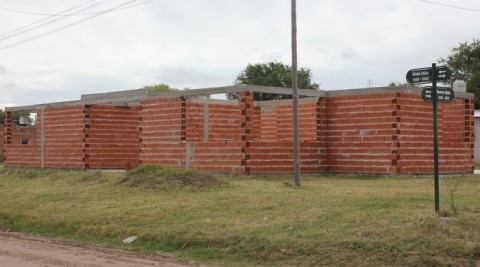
x=433 y=94
x=435 y=138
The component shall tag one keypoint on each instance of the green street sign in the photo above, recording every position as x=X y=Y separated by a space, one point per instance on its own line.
x=444 y=94
x=424 y=75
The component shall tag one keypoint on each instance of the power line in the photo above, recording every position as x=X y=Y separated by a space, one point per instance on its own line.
x=69 y=15
x=23 y=27
x=64 y=27
x=20 y=30
x=445 y=5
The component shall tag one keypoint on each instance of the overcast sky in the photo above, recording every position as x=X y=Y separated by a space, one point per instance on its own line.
x=199 y=44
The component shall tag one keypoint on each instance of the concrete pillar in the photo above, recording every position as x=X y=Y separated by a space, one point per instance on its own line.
x=205 y=123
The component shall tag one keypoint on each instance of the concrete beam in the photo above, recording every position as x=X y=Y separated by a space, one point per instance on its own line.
x=381 y=90
x=236 y=89
x=273 y=103
x=132 y=97
x=33 y=108
x=115 y=97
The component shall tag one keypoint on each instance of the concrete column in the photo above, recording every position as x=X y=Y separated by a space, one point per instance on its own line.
x=188 y=155
x=205 y=123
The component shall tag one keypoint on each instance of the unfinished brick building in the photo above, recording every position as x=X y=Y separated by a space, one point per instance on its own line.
x=375 y=130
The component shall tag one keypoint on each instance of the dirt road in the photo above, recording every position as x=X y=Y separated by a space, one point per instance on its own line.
x=23 y=250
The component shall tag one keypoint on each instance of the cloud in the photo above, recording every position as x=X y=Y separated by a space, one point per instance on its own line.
x=184 y=76
x=197 y=45
x=7 y=85
x=348 y=53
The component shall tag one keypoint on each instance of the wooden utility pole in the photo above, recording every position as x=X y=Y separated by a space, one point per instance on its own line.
x=296 y=143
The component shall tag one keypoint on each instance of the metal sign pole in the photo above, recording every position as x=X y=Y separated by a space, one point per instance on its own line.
x=434 y=94
x=435 y=138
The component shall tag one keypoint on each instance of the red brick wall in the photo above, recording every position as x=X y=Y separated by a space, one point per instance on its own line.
x=112 y=137
x=26 y=154
x=216 y=156
x=273 y=150
x=195 y=122
x=457 y=143
x=455 y=133
x=162 y=132
x=276 y=122
x=63 y=142
x=162 y=141
x=360 y=133
x=371 y=133
x=223 y=124
x=269 y=123
x=277 y=156
x=64 y=136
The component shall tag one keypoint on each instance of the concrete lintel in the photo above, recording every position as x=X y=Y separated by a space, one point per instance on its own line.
x=383 y=90
x=271 y=103
x=22 y=108
x=374 y=90
x=132 y=97
x=119 y=96
x=282 y=91
x=33 y=108
x=236 y=89
x=213 y=101
x=195 y=92
x=464 y=95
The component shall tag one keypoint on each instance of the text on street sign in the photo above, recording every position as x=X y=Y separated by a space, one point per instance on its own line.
x=444 y=94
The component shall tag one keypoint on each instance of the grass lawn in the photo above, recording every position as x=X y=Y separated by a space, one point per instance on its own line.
x=255 y=220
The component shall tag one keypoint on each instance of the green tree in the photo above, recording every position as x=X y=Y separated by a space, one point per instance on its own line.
x=464 y=61
x=275 y=74
x=399 y=84
x=16 y=116
x=159 y=88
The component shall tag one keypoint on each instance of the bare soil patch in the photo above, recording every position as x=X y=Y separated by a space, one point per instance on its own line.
x=17 y=249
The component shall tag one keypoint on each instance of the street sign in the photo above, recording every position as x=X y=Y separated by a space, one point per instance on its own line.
x=443 y=74
x=424 y=75
x=420 y=75
x=434 y=94
x=444 y=94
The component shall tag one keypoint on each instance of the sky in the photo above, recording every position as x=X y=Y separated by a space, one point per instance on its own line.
x=199 y=44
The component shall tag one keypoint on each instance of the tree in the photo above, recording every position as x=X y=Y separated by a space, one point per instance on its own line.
x=275 y=74
x=464 y=61
x=16 y=117
x=399 y=84
x=159 y=88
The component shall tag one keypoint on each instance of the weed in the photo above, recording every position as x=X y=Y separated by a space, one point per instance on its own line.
x=452 y=188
